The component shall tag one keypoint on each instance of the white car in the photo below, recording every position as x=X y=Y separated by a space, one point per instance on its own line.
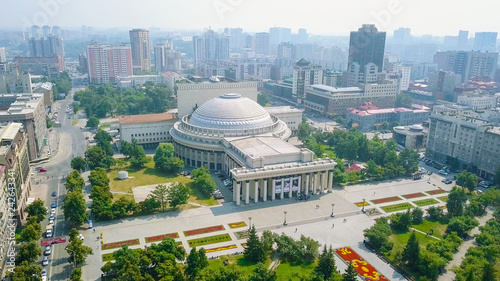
x=45 y=261
x=53 y=211
x=80 y=236
x=51 y=222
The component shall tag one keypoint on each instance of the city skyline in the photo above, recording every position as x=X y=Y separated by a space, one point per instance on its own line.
x=324 y=18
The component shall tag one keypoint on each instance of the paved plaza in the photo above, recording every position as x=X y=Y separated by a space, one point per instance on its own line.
x=311 y=218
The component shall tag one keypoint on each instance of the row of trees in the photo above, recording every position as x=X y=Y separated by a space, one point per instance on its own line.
x=100 y=101
x=74 y=207
x=100 y=155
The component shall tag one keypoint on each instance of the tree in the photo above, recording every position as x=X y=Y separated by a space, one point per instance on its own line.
x=261 y=273
x=404 y=100
x=435 y=213
x=79 y=164
x=461 y=225
x=305 y=130
x=160 y=195
x=409 y=161
x=74 y=181
x=165 y=161
x=37 y=209
x=178 y=194
x=28 y=252
x=401 y=221
x=26 y=272
x=411 y=253
x=378 y=235
x=326 y=264
x=78 y=252
x=123 y=206
x=373 y=171
x=263 y=99
x=468 y=180
x=74 y=208
x=99 y=177
x=456 y=201
x=196 y=261
x=350 y=273
x=31 y=232
x=340 y=120
x=76 y=275
x=254 y=250
x=97 y=157
x=103 y=140
x=73 y=234
x=92 y=122
x=416 y=216
x=430 y=264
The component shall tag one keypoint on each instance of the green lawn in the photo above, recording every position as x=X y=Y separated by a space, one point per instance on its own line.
x=425 y=202
x=117 y=196
x=443 y=198
x=397 y=207
x=209 y=240
x=239 y=261
x=439 y=227
x=400 y=241
x=149 y=176
x=287 y=271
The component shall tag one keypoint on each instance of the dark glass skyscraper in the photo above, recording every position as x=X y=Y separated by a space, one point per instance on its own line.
x=367 y=45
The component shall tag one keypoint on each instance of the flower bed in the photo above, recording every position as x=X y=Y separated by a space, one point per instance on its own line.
x=160 y=237
x=209 y=240
x=203 y=230
x=366 y=270
x=244 y=245
x=220 y=249
x=385 y=200
x=425 y=202
x=413 y=195
x=120 y=244
x=436 y=191
x=443 y=198
x=237 y=224
x=397 y=207
x=360 y=204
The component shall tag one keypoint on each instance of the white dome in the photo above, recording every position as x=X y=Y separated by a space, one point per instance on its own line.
x=416 y=128
x=231 y=111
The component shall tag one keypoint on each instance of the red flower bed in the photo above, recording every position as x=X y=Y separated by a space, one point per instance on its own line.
x=203 y=230
x=363 y=268
x=120 y=244
x=160 y=237
x=384 y=200
x=436 y=191
x=413 y=195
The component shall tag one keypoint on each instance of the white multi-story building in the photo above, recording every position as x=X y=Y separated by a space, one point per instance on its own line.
x=149 y=130
x=290 y=115
x=11 y=81
x=138 y=80
x=478 y=102
x=3 y=57
x=305 y=74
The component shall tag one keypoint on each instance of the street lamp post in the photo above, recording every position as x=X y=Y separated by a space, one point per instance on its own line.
x=332 y=210
x=284 y=222
x=250 y=224
x=364 y=203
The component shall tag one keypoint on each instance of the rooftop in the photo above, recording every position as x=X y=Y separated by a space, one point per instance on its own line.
x=335 y=90
x=146 y=118
x=9 y=132
x=264 y=146
x=282 y=109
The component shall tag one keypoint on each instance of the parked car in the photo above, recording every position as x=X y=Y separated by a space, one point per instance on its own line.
x=80 y=236
x=42 y=170
x=54 y=204
x=448 y=181
x=52 y=217
x=45 y=261
x=54 y=193
x=48 y=251
x=44 y=272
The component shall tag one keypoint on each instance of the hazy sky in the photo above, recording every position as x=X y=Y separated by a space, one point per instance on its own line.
x=437 y=17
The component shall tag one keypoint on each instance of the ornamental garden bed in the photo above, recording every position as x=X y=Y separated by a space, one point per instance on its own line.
x=436 y=191
x=209 y=240
x=220 y=248
x=397 y=207
x=363 y=268
x=443 y=198
x=414 y=195
x=360 y=204
x=120 y=244
x=241 y=234
x=203 y=230
x=425 y=202
x=160 y=237
x=237 y=224
x=111 y=256
x=385 y=200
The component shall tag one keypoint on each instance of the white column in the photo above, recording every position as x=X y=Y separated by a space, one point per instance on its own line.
x=273 y=194
x=330 y=182
x=316 y=183
x=264 y=191
x=290 y=191
x=323 y=182
x=300 y=184
x=238 y=193
x=247 y=192
x=256 y=191
x=282 y=189
x=306 y=187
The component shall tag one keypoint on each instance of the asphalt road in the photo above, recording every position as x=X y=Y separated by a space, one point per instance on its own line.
x=72 y=144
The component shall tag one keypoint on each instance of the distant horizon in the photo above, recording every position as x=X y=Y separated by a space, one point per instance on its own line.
x=320 y=17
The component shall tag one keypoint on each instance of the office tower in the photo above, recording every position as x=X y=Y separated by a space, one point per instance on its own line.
x=106 y=62
x=210 y=46
x=485 y=41
x=463 y=36
x=367 y=45
x=46 y=46
x=302 y=37
x=141 y=55
x=279 y=35
x=402 y=35
x=35 y=31
x=3 y=57
x=236 y=38
x=468 y=64
x=305 y=74
x=46 y=31
x=56 y=30
x=262 y=43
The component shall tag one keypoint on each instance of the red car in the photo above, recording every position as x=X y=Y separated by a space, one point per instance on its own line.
x=43 y=170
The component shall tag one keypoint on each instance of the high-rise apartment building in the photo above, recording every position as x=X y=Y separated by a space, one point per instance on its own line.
x=279 y=35
x=367 y=45
x=36 y=32
x=210 y=46
x=46 y=46
x=468 y=64
x=402 y=35
x=141 y=54
x=46 y=30
x=463 y=36
x=3 y=57
x=166 y=58
x=485 y=41
x=305 y=74
x=106 y=62
x=262 y=43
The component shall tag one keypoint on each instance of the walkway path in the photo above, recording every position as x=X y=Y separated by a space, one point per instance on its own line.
x=414 y=229
x=462 y=250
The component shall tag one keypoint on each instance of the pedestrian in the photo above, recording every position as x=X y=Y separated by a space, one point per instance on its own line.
x=333 y=225
x=295 y=230
x=317 y=206
x=94 y=230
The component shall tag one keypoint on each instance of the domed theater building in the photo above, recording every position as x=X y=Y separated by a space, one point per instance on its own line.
x=237 y=136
